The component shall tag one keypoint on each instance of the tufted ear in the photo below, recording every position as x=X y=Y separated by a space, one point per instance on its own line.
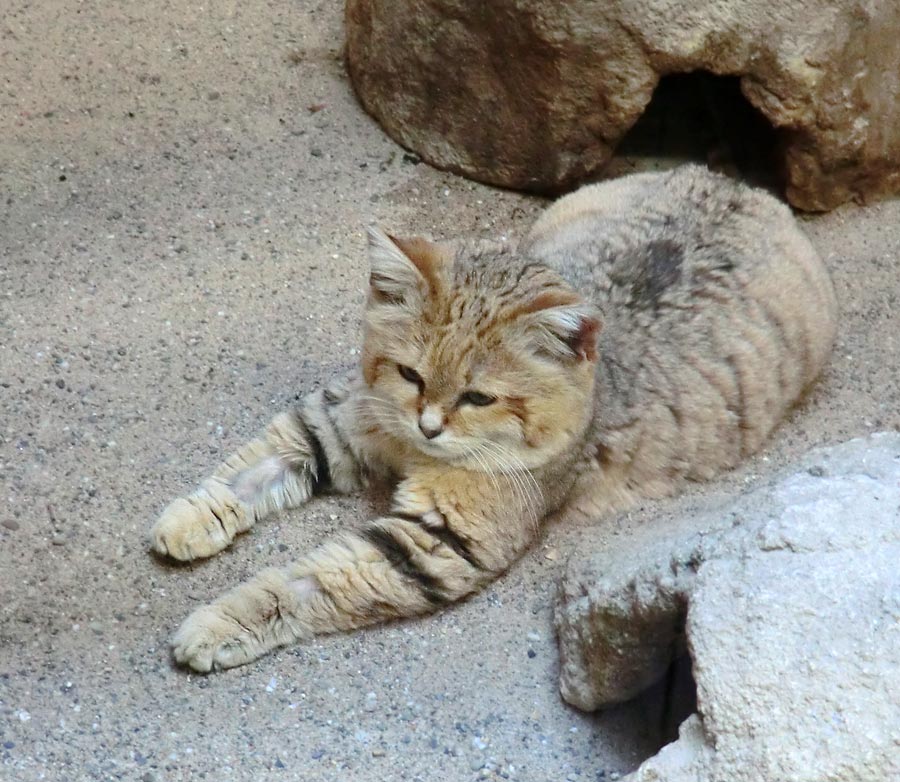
x=403 y=271
x=565 y=327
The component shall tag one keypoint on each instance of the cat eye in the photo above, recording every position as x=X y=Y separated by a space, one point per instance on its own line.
x=410 y=375
x=476 y=398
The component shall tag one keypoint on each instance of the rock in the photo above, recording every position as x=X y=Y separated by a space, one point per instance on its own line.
x=790 y=610
x=536 y=95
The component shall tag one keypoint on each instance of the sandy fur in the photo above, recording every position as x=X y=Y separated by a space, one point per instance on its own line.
x=647 y=332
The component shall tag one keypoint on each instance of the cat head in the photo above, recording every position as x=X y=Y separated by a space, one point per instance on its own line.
x=474 y=355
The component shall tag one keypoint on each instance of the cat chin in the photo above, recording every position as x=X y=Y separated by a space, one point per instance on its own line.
x=438 y=451
x=464 y=457
x=447 y=454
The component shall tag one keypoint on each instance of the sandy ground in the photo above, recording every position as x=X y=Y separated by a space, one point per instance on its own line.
x=182 y=192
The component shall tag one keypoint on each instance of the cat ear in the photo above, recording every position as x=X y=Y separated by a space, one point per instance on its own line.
x=567 y=331
x=402 y=270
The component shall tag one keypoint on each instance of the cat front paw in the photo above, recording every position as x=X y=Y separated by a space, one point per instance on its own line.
x=198 y=526
x=244 y=624
x=211 y=639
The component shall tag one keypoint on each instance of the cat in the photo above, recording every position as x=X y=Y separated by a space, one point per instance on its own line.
x=648 y=331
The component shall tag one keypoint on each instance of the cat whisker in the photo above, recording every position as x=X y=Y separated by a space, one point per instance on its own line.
x=470 y=451
x=530 y=487
x=518 y=475
x=384 y=409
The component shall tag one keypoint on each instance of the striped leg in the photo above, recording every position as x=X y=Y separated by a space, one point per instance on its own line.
x=427 y=553
x=299 y=454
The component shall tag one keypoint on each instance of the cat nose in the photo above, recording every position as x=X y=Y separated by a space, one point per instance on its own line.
x=428 y=432
x=431 y=422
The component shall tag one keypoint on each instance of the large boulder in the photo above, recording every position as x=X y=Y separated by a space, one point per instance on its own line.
x=536 y=95
x=789 y=607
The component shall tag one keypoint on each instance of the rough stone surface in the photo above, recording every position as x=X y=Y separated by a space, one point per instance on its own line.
x=792 y=605
x=534 y=94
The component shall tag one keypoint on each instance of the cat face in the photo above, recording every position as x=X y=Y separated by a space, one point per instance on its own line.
x=475 y=356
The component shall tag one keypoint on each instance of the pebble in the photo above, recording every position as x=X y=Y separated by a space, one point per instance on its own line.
x=11 y=524
x=378 y=752
x=58 y=540
x=371 y=702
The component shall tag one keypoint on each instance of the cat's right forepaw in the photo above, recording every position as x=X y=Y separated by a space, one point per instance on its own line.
x=194 y=527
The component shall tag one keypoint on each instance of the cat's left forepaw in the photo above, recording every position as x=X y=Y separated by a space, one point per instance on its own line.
x=249 y=621
x=211 y=639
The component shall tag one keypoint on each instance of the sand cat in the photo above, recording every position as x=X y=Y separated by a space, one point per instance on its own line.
x=648 y=331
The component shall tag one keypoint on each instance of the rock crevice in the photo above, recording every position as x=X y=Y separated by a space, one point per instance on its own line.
x=536 y=95
x=789 y=607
